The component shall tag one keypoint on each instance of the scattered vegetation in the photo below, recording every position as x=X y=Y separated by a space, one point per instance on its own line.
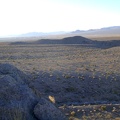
x=71 y=74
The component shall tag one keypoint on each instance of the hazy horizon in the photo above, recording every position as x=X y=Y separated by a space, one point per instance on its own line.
x=24 y=16
x=54 y=32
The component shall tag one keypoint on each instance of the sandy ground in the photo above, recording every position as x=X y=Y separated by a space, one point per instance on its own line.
x=75 y=75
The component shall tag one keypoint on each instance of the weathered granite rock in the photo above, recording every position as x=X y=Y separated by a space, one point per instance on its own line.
x=17 y=100
x=45 y=110
x=7 y=69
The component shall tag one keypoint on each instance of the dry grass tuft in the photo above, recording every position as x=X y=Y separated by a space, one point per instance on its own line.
x=52 y=99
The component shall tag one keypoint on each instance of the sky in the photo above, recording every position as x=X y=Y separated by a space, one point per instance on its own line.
x=23 y=16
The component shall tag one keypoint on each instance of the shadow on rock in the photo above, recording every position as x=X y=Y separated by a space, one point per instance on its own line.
x=17 y=100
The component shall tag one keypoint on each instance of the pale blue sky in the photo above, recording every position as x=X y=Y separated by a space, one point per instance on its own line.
x=21 y=16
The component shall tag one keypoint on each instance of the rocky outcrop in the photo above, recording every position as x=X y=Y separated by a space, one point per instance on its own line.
x=7 y=69
x=17 y=100
x=45 y=110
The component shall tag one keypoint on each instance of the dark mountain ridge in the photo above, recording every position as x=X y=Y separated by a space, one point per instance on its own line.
x=68 y=40
x=75 y=40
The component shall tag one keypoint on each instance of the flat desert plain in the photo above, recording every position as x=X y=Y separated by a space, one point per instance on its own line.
x=84 y=80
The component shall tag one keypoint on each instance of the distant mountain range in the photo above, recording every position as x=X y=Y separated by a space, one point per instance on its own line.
x=114 y=30
x=37 y=34
x=79 y=40
x=106 y=33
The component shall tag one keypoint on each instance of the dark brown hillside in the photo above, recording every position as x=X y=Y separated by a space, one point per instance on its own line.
x=68 y=40
x=75 y=40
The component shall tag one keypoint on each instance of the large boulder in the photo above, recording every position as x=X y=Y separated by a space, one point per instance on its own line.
x=8 y=69
x=17 y=100
x=45 y=110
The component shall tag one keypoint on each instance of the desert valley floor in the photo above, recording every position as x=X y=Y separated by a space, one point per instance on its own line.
x=84 y=80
